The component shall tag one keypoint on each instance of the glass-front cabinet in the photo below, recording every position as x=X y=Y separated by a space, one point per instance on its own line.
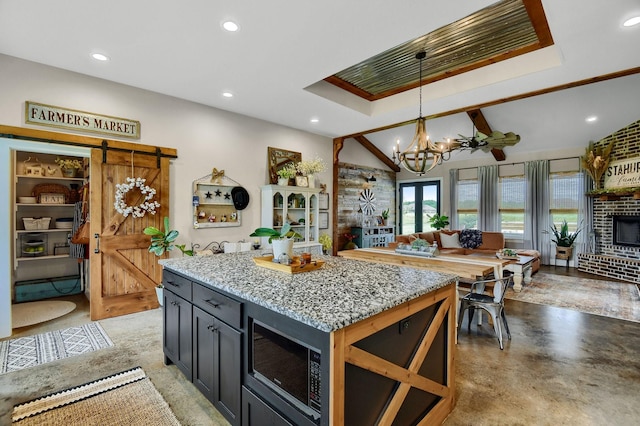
x=297 y=206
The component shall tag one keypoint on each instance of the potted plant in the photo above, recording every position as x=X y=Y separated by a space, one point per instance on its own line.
x=438 y=222
x=564 y=239
x=69 y=167
x=385 y=216
x=161 y=242
x=286 y=173
x=326 y=242
x=282 y=240
x=350 y=245
x=310 y=168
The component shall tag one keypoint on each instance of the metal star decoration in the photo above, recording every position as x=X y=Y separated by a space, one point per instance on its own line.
x=227 y=196
x=218 y=193
x=208 y=194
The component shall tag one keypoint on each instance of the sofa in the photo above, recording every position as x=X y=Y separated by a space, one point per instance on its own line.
x=468 y=242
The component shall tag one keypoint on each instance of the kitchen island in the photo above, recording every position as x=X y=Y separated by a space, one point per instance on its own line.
x=379 y=338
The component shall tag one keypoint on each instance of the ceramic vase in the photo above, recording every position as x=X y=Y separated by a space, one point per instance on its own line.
x=311 y=180
x=283 y=181
x=282 y=246
x=70 y=172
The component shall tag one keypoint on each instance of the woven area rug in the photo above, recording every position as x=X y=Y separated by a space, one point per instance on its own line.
x=29 y=313
x=127 y=398
x=29 y=351
x=593 y=296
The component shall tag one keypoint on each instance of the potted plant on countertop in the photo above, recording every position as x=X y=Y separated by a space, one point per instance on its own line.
x=282 y=240
x=385 y=216
x=161 y=242
x=564 y=240
x=438 y=222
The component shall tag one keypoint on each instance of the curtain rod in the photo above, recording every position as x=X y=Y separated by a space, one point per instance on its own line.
x=522 y=162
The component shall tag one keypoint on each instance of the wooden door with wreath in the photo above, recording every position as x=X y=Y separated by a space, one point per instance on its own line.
x=123 y=273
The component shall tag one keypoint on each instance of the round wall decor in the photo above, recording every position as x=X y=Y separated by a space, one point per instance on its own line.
x=367 y=202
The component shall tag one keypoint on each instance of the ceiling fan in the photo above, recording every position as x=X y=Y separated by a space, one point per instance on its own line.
x=486 y=142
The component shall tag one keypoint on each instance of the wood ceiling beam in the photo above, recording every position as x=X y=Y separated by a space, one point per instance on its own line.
x=480 y=123
x=376 y=151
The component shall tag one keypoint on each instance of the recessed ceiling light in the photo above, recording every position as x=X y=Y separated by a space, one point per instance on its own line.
x=230 y=26
x=631 y=21
x=227 y=94
x=315 y=120
x=99 y=57
x=591 y=119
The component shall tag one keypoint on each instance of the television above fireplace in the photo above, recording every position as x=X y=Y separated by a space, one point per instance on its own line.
x=626 y=231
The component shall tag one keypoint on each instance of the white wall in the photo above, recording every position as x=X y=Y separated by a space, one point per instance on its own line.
x=204 y=137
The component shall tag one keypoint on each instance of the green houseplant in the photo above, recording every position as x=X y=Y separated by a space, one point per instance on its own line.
x=564 y=240
x=385 y=216
x=326 y=242
x=281 y=240
x=438 y=222
x=161 y=242
x=286 y=173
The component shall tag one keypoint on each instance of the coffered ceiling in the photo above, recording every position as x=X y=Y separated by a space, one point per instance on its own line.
x=281 y=63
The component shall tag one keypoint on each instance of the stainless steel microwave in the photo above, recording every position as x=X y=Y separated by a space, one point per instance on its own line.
x=288 y=366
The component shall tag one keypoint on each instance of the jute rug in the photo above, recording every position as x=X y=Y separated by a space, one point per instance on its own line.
x=127 y=398
x=593 y=296
x=29 y=313
x=29 y=351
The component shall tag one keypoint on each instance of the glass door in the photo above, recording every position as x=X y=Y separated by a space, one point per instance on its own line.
x=418 y=201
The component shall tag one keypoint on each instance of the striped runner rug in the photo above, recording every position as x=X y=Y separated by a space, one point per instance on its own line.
x=126 y=398
x=29 y=351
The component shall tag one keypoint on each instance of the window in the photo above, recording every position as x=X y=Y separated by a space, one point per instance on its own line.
x=468 y=203
x=565 y=189
x=512 y=193
x=424 y=195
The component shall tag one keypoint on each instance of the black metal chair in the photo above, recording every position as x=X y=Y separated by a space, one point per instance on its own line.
x=493 y=304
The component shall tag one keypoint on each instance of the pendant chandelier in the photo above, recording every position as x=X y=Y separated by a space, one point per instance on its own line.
x=422 y=155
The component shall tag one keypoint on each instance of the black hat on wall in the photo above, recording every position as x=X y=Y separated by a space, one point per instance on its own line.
x=240 y=197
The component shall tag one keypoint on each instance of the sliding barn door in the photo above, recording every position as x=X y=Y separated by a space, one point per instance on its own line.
x=123 y=273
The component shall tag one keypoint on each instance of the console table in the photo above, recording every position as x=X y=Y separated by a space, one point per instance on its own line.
x=373 y=236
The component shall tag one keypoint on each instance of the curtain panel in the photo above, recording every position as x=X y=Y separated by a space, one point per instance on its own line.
x=488 y=214
x=453 y=198
x=536 y=220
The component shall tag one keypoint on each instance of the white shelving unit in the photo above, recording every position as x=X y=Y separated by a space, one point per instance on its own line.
x=50 y=258
x=297 y=206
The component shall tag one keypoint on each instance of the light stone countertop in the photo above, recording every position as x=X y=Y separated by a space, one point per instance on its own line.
x=340 y=293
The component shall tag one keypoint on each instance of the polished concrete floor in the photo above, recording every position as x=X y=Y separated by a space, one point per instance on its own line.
x=561 y=367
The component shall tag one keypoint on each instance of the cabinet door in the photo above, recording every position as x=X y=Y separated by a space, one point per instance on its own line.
x=256 y=412
x=177 y=339
x=217 y=363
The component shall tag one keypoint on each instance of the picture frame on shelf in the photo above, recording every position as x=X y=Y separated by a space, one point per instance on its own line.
x=323 y=201
x=323 y=220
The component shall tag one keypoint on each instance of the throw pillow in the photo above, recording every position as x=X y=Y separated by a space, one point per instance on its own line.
x=450 y=241
x=471 y=238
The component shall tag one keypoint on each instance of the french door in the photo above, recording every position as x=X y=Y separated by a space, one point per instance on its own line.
x=417 y=201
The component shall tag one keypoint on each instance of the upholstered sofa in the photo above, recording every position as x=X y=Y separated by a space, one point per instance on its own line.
x=468 y=242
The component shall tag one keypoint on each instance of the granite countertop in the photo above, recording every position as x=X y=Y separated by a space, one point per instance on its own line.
x=342 y=292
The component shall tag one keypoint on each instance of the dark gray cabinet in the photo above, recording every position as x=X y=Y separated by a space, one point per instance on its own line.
x=216 y=362
x=177 y=333
x=203 y=337
x=256 y=412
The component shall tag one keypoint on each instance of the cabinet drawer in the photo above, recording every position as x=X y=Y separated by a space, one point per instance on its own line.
x=177 y=284
x=218 y=305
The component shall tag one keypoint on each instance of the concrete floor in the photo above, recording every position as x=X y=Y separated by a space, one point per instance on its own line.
x=561 y=368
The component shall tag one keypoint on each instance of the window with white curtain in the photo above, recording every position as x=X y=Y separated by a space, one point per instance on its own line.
x=468 y=203
x=565 y=191
x=512 y=193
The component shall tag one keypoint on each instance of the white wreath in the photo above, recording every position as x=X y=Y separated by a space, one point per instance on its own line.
x=138 y=211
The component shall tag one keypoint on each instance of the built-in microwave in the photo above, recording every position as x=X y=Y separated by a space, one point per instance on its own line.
x=288 y=366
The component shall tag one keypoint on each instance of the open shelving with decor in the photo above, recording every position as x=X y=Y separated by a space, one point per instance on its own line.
x=44 y=199
x=296 y=205
x=213 y=202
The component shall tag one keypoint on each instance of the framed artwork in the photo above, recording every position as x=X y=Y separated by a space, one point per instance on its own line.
x=379 y=220
x=323 y=220
x=278 y=159
x=323 y=201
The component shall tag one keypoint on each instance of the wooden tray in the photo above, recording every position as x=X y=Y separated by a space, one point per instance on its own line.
x=295 y=268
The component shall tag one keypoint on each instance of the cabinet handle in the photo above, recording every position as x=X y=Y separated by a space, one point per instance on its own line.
x=215 y=303
x=97 y=249
x=174 y=303
x=212 y=328
x=172 y=283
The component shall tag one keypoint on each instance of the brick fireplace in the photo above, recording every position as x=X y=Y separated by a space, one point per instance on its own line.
x=609 y=259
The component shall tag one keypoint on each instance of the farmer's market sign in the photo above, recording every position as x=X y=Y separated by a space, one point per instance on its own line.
x=53 y=116
x=623 y=174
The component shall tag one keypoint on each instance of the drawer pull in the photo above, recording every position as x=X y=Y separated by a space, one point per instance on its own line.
x=174 y=303
x=213 y=303
x=172 y=283
x=212 y=328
